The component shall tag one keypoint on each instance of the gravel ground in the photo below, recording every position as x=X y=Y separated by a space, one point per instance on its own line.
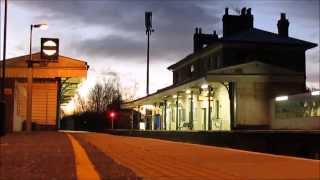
x=36 y=155
x=104 y=165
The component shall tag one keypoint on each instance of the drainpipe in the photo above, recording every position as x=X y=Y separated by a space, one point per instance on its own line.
x=177 y=112
x=153 y=115
x=165 y=115
x=233 y=104
x=59 y=84
x=171 y=117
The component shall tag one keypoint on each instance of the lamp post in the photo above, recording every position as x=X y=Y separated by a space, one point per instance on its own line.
x=4 y=51
x=30 y=74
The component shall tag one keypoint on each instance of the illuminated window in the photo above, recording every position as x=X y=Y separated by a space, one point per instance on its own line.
x=192 y=68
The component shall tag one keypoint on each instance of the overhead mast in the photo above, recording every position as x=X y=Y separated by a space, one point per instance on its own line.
x=148 y=24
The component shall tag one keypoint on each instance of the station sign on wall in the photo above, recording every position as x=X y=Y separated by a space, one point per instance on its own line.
x=50 y=49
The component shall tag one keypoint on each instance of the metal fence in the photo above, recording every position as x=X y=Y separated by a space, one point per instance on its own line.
x=298 y=106
x=301 y=111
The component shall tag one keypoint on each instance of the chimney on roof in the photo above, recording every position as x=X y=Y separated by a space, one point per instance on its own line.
x=249 y=17
x=243 y=11
x=226 y=11
x=249 y=11
x=283 y=26
x=215 y=35
x=237 y=23
x=196 y=40
x=202 y=40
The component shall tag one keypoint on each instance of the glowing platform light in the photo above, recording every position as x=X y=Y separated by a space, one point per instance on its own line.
x=174 y=96
x=281 y=98
x=148 y=106
x=204 y=86
x=112 y=114
x=142 y=126
x=315 y=93
x=188 y=91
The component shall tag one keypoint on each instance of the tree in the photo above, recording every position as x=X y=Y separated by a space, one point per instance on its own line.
x=81 y=103
x=104 y=94
x=68 y=89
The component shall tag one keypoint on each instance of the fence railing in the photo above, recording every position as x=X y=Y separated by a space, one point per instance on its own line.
x=297 y=111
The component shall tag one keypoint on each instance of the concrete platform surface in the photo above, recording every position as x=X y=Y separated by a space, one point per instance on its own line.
x=36 y=155
x=52 y=155
x=159 y=159
x=68 y=155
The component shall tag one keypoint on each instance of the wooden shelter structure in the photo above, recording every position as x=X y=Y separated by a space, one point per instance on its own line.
x=54 y=83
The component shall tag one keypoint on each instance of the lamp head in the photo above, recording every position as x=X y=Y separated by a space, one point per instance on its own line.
x=44 y=26
x=41 y=26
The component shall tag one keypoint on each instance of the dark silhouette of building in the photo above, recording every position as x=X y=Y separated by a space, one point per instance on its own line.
x=242 y=43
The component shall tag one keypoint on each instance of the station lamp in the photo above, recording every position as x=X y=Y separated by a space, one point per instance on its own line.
x=281 y=98
x=41 y=26
x=204 y=86
x=315 y=93
x=112 y=115
x=30 y=77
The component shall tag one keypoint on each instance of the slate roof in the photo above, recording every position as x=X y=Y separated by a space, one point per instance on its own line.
x=260 y=36
x=256 y=36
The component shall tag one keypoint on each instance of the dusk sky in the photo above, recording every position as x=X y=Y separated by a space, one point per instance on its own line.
x=110 y=35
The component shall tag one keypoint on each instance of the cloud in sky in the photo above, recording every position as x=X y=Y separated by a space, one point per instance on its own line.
x=113 y=33
x=123 y=23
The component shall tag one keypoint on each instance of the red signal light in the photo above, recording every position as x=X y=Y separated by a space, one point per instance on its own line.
x=112 y=114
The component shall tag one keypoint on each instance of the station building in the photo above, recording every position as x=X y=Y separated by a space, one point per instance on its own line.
x=54 y=81
x=228 y=82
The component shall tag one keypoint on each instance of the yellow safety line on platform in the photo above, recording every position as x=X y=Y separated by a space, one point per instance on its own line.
x=85 y=169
